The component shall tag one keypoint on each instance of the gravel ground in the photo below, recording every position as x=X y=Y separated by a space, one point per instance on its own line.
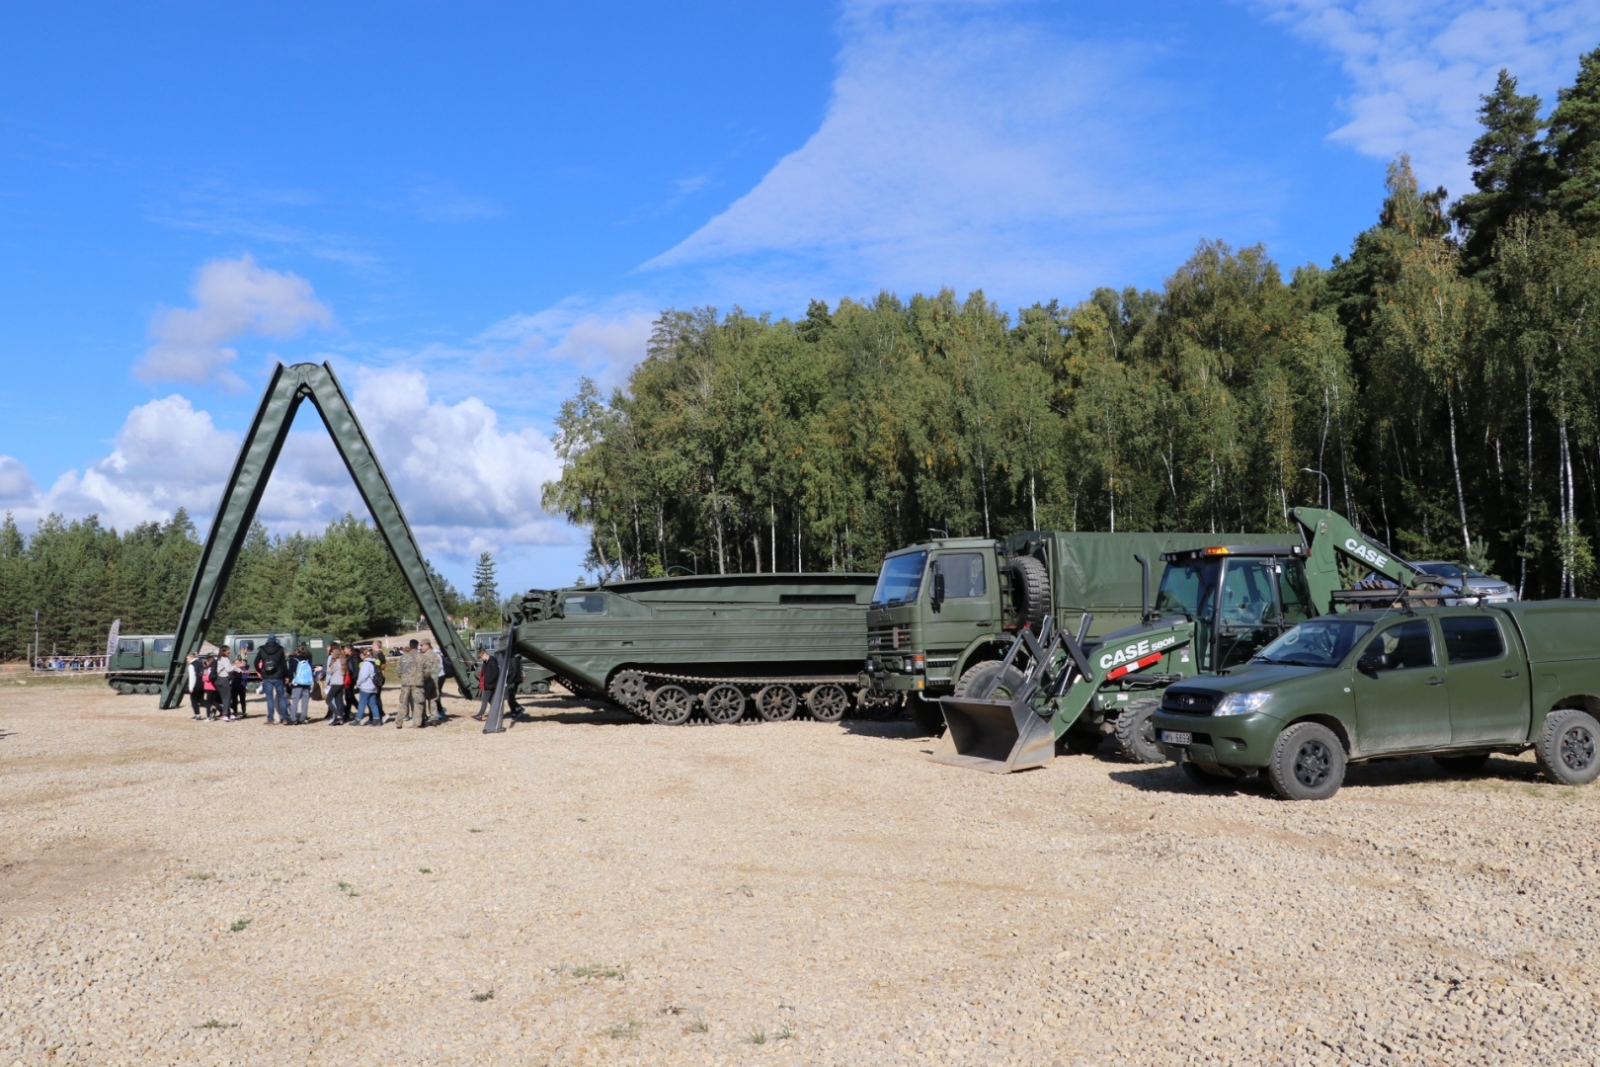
x=585 y=889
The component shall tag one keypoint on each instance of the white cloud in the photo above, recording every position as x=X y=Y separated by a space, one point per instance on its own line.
x=1418 y=68
x=465 y=484
x=572 y=337
x=17 y=487
x=965 y=145
x=234 y=298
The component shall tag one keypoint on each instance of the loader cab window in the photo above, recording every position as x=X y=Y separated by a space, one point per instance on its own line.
x=1294 y=593
x=588 y=604
x=1247 y=614
x=963 y=575
x=900 y=580
x=1186 y=588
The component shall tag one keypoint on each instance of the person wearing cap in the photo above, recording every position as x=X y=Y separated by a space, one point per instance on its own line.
x=432 y=683
x=413 y=676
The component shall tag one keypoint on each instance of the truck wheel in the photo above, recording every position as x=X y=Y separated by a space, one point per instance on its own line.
x=725 y=704
x=777 y=703
x=926 y=714
x=1567 y=748
x=1030 y=592
x=671 y=705
x=1467 y=764
x=827 y=703
x=1307 y=762
x=990 y=680
x=1136 y=739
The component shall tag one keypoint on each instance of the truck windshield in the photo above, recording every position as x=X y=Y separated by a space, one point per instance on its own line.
x=1184 y=585
x=900 y=579
x=1316 y=643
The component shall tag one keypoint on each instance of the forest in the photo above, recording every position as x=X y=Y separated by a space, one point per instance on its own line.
x=81 y=575
x=1442 y=378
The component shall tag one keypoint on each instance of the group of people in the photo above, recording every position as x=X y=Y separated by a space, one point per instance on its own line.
x=351 y=683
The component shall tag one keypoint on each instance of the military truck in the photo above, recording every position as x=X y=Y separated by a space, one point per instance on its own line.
x=711 y=646
x=535 y=679
x=944 y=607
x=1217 y=607
x=139 y=663
x=1455 y=683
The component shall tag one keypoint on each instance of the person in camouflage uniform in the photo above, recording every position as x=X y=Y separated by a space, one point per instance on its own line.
x=413 y=677
x=432 y=683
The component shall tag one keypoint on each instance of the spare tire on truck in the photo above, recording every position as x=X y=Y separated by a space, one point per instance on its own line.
x=1030 y=592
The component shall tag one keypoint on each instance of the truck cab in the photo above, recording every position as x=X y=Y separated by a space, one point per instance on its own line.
x=931 y=602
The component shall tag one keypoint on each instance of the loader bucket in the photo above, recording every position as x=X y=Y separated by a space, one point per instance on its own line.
x=998 y=736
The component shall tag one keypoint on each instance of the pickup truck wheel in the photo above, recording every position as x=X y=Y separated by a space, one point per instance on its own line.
x=1569 y=747
x=1467 y=764
x=1307 y=763
x=1136 y=739
x=927 y=715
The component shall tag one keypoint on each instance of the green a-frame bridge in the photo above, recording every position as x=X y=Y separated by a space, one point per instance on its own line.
x=242 y=495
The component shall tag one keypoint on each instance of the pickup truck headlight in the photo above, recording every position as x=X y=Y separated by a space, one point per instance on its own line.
x=1241 y=703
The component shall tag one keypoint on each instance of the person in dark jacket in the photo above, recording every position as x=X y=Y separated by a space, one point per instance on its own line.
x=272 y=667
x=488 y=678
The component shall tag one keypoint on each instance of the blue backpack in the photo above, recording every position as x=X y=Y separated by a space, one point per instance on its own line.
x=302 y=673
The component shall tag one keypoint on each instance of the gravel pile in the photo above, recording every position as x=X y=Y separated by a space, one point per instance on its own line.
x=584 y=889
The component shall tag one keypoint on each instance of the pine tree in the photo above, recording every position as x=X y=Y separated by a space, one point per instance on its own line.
x=1574 y=145
x=1509 y=170
x=485 y=593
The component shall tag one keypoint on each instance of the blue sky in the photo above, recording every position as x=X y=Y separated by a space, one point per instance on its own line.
x=464 y=207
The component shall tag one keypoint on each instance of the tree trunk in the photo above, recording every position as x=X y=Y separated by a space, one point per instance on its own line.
x=1527 y=515
x=1455 y=462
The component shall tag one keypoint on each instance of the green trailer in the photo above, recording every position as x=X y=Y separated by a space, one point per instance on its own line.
x=711 y=646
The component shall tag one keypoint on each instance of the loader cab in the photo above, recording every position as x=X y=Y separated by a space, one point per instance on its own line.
x=930 y=601
x=1239 y=597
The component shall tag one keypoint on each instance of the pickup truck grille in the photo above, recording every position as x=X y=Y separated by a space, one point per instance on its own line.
x=1188 y=702
x=887 y=638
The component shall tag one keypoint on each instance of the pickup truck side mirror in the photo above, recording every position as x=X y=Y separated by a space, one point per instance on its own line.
x=1372 y=662
x=938 y=589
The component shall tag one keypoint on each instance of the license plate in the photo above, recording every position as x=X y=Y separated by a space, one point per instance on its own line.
x=1176 y=737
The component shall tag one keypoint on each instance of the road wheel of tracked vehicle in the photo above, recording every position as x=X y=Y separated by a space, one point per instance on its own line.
x=927 y=714
x=725 y=704
x=628 y=689
x=122 y=687
x=828 y=702
x=1468 y=764
x=990 y=680
x=1567 y=748
x=151 y=689
x=1136 y=739
x=1307 y=762
x=876 y=705
x=777 y=703
x=671 y=705
x=1030 y=592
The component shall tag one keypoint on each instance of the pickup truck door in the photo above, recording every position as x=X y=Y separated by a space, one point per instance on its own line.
x=969 y=607
x=1405 y=705
x=1488 y=680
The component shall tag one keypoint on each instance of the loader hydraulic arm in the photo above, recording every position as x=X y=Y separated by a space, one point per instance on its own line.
x=1328 y=535
x=242 y=495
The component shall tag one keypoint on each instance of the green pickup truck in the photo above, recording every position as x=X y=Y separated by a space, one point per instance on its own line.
x=1454 y=683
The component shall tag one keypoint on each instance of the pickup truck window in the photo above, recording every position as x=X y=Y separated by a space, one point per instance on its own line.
x=1472 y=637
x=963 y=575
x=1319 y=643
x=1408 y=646
x=900 y=579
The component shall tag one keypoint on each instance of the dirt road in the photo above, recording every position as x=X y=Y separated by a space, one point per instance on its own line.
x=584 y=889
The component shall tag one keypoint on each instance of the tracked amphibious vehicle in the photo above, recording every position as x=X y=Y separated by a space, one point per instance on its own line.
x=716 y=647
